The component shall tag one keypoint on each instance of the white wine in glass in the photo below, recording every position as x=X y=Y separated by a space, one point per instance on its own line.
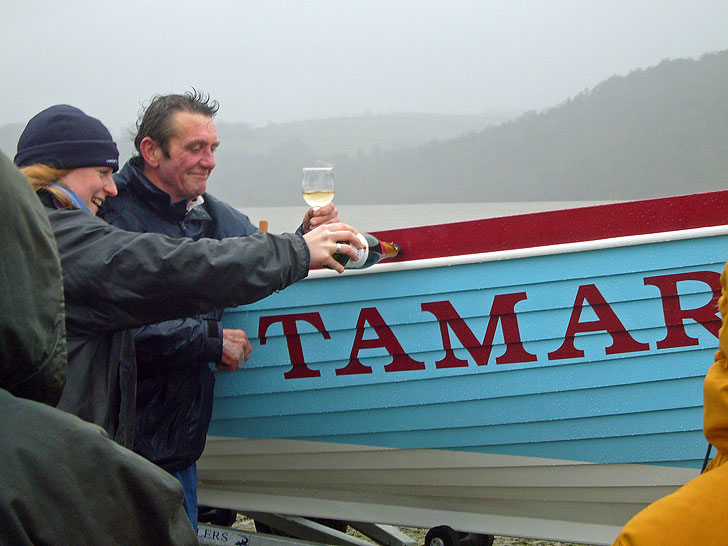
x=317 y=187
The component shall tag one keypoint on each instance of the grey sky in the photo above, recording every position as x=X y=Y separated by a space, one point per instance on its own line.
x=283 y=60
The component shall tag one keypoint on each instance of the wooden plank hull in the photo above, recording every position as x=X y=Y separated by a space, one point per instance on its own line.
x=547 y=391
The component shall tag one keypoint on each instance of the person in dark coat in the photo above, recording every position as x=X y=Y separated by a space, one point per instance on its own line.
x=115 y=281
x=63 y=480
x=163 y=189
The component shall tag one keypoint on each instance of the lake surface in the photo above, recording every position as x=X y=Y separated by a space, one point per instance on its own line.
x=380 y=217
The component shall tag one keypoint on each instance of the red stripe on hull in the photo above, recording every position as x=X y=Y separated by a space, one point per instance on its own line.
x=561 y=226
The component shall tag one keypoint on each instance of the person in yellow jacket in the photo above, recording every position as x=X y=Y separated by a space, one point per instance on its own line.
x=697 y=513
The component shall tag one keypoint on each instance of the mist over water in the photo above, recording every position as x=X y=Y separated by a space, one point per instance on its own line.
x=383 y=217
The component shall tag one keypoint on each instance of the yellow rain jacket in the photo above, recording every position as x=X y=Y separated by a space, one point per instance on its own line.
x=697 y=513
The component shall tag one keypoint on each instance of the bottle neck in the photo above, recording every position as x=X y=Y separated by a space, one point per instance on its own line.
x=389 y=250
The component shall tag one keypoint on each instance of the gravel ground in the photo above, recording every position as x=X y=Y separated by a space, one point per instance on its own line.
x=419 y=535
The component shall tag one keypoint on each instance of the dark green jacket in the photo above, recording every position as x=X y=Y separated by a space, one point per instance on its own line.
x=62 y=481
x=65 y=482
x=32 y=329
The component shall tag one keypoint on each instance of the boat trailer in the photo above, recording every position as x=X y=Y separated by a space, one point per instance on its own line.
x=280 y=530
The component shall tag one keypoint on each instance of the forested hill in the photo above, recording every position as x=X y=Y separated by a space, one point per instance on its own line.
x=655 y=132
x=262 y=165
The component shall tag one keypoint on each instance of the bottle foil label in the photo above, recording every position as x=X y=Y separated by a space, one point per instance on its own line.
x=361 y=254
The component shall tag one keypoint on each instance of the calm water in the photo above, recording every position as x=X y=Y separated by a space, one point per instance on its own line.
x=379 y=217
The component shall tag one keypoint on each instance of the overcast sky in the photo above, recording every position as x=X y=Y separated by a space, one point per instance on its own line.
x=272 y=61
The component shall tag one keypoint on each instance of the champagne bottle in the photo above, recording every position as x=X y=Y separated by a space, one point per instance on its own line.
x=374 y=250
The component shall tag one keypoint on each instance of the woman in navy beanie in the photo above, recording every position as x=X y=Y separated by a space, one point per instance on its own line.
x=71 y=155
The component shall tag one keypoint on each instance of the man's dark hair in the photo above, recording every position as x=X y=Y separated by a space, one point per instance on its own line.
x=155 y=121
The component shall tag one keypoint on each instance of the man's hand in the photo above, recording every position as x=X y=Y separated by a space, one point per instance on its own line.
x=328 y=239
x=236 y=349
x=325 y=215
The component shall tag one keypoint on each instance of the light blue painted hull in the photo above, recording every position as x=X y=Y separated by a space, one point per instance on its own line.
x=633 y=398
x=637 y=407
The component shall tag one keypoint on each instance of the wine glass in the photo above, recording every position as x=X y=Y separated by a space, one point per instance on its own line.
x=317 y=187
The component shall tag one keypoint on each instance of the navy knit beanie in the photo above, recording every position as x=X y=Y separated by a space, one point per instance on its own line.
x=63 y=137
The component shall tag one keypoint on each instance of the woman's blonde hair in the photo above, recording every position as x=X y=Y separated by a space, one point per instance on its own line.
x=42 y=176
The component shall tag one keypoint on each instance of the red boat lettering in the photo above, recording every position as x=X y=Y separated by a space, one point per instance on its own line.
x=293 y=340
x=607 y=320
x=674 y=314
x=503 y=311
x=401 y=362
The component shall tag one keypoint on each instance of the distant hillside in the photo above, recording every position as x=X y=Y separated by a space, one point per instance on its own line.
x=247 y=152
x=658 y=131
x=354 y=135
x=655 y=132
x=262 y=166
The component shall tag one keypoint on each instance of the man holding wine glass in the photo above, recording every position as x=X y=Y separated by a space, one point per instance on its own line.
x=163 y=189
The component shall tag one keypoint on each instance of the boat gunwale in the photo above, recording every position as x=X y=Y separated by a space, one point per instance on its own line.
x=531 y=252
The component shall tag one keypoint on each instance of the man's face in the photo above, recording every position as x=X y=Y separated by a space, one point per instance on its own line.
x=191 y=159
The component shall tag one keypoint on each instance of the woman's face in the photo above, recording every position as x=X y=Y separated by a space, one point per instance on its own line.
x=92 y=184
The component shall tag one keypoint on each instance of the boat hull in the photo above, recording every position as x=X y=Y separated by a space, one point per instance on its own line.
x=490 y=494
x=548 y=391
